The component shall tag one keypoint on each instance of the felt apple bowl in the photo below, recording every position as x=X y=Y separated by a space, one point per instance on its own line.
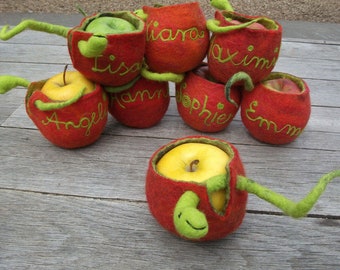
x=165 y=194
x=243 y=43
x=277 y=110
x=71 y=126
x=202 y=103
x=106 y=58
x=141 y=106
x=177 y=37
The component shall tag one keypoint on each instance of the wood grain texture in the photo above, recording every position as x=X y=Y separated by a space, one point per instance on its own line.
x=86 y=208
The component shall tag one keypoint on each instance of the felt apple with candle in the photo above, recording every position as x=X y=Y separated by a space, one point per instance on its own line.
x=196 y=188
x=177 y=37
x=75 y=118
x=243 y=43
x=277 y=109
x=142 y=105
x=202 y=103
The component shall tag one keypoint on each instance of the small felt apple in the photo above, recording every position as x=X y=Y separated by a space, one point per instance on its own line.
x=107 y=48
x=196 y=188
x=72 y=123
x=177 y=37
x=202 y=103
x=243 y=43
x=277 y=109
x=142 y=105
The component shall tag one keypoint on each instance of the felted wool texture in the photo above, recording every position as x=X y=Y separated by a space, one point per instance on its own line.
x=202 y=103
x=254 y=51
x=141 y=106
x=77 y=125
x=177 y=37
x=276 y=117
x=122 y=59
x=163 y=193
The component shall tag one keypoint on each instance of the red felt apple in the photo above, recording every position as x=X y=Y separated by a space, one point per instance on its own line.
x=108 y=48
x=73 y=125
x=177 y=37
x=202 y=103
x=141 y=106
x=164 y=192
x=196 y=188
x=277 y=110
x=243 y=43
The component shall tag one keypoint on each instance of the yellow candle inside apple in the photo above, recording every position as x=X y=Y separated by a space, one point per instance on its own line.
x=63 y=87
x=195 y=162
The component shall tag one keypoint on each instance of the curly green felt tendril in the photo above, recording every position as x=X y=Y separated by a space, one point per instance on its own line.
x=118 y=89
x=93 y=47
x=49 y=106
x=239 y=76
x=213 y=25
x=8 y=82
x=222 y=5
x=162 y=77
x=60 y=30
x=289 y=207
x=189 y=221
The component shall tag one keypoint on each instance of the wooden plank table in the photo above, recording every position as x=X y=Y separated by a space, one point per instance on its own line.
x=86 y=208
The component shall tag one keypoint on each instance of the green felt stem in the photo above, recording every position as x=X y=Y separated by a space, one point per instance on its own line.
x=162 y=77
x=121 y=88
x=60 y=30
x=237 y=77
x=189 y=221
x=49 y=106
x=289 y=207
x=214 y=25
x=8 y=82
x=222 y=5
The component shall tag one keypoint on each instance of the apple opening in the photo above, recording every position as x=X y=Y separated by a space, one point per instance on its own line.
x=284 y=83
x=121 y=22
x=261 y=22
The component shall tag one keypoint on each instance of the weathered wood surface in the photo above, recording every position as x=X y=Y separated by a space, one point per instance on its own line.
x=86 y=208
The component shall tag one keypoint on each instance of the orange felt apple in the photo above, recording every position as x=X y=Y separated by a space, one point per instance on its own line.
x=202 y=103
x=243 y=43
x=277 y=109
x=196 y=188
x=74 y=122
x=142 y=105
x=108 y=48
x=177 y=37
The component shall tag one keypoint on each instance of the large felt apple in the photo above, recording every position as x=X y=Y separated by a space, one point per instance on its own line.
x=202 y=103
x=196 y=189
x=108 y=48
x=243 y=43
x=277 y=109
x=177 y=37
x=142 y=105
x=76 y=122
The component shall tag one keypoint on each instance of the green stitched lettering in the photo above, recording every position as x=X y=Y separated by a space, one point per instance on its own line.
x=289 y=129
